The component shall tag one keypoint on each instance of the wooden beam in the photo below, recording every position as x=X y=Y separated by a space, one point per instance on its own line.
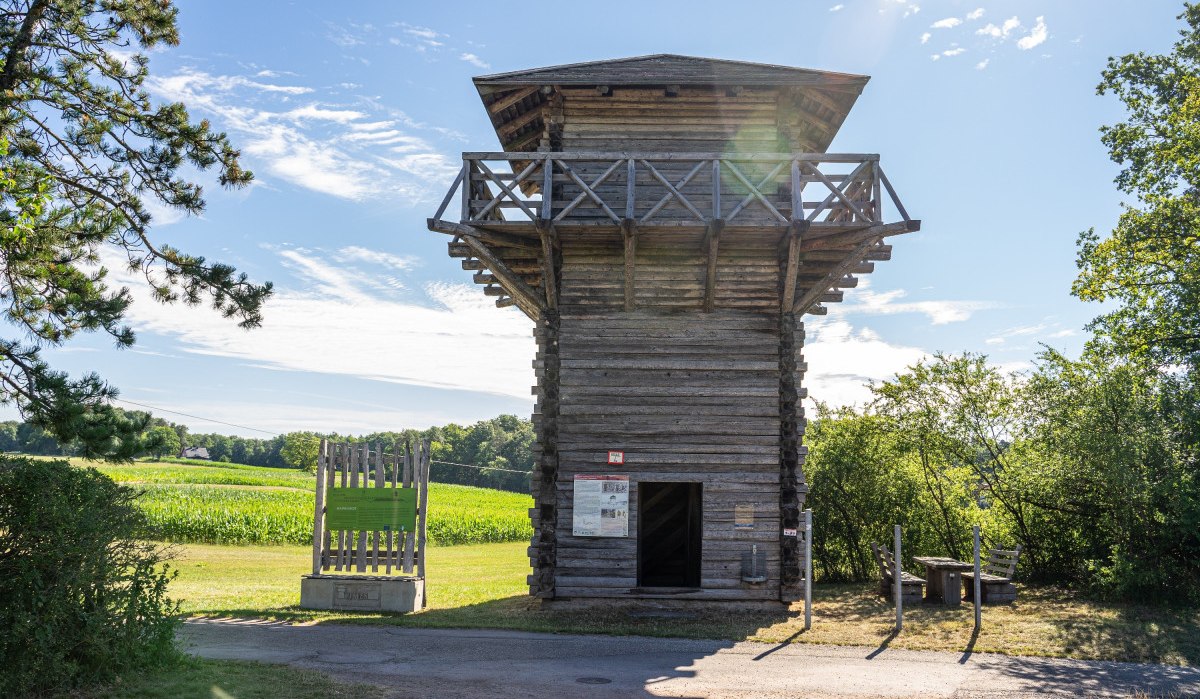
x=510 y=99
x=792 y=265
x=510 y=128
x=548 y=235
x=506 y=240
x=817 y=292
x=849 y=239
x=713 y=241
x=524 y=294
x=629 y=231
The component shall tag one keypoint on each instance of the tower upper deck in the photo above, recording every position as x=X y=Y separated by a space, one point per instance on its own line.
x=670 y=155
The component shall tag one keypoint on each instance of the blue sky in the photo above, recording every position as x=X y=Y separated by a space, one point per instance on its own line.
x=353 y=116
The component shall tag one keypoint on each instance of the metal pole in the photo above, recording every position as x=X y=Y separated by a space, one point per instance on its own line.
x=896 y=580
x=975 y=582
x=807 y=569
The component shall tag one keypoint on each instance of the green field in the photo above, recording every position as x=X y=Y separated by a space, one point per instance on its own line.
x=198 y=502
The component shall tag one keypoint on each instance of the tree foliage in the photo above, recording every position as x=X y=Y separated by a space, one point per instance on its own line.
x=300 y=450
x=1150 y=264
x=83 y=149
x=83 y=595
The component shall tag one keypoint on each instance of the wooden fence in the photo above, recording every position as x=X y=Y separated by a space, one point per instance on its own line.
x=346 y=551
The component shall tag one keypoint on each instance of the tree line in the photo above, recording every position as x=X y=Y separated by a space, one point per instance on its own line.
x=495 y=453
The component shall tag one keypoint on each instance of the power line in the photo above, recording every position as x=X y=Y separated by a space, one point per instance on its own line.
x=197 y=417
x=481 y=468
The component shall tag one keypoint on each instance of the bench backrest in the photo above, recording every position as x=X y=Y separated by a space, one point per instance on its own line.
x=1002 y=563
x=885 y=559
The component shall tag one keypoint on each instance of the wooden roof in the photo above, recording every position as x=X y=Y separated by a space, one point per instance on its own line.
x=812 y=104
x=671 y=69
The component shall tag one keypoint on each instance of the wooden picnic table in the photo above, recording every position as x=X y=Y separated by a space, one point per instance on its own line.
x=943 y=579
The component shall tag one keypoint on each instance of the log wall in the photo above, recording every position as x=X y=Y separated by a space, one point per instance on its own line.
x=689 y=396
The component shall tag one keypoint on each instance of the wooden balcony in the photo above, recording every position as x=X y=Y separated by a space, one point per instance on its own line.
x=506 y=191
x=809 y=221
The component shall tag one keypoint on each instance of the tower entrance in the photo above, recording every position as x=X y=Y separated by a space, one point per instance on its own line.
x=669 y=534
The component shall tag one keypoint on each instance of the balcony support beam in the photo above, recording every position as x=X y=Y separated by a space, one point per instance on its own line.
x=629 y=232
x=712 y=241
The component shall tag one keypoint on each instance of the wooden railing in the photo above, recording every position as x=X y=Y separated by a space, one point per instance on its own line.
x=672 y=189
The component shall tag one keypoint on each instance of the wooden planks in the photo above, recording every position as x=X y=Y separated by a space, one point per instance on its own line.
x=345 y=465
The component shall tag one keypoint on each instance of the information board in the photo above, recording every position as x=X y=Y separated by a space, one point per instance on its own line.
x=601 y=506
x=371 y=509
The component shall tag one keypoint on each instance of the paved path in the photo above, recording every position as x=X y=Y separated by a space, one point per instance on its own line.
x=478 y=663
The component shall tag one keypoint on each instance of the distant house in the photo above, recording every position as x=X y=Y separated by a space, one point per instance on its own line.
x=194 y=453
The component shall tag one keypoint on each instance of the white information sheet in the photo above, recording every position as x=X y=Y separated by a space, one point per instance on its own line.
x=601 y=506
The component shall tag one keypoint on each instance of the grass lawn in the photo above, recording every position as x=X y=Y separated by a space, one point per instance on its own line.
x=484 y=586
x=230 y=679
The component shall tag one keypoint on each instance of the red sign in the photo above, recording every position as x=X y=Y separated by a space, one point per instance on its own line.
x=616 y=457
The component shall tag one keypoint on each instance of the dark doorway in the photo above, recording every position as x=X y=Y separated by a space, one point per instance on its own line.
x=669 y=531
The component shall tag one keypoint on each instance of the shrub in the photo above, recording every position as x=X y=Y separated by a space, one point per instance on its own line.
x=82 y=596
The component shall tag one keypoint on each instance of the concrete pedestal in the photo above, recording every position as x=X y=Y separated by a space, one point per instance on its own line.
x=362 y=593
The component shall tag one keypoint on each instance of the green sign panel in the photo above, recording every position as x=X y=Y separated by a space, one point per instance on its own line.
x=371 y=509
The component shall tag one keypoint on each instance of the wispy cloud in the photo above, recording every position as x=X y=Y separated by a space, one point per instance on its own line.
x=925 y=37
x=866 y=301
x=975 y=14
x=837 y=8
x=473 y=60
x=430 y=337
x=948 y=23
x=324 y=147
x=1036 y=37
x=982 y=65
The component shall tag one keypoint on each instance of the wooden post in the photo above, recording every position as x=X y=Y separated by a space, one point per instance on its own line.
x=976 y=584
x=808 y=569
x=897 y=581
x=423 y=483
x=319 y=509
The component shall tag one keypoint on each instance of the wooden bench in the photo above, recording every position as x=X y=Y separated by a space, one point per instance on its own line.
x=995 y=577
x=910 y=585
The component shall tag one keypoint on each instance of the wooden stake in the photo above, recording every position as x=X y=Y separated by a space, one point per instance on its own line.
x=808 y=530
x=976 y=583
x=896 y=577
x=319 y=510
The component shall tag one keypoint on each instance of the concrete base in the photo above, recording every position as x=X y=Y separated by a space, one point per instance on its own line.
x=362 y=593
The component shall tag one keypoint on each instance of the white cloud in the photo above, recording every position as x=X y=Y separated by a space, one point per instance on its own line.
x=954 y=52
x=837 y=8
x=982 y=65
x=433 y=337
x=1036 y=37
x=329 y=149
x=925 y=37
x=474 y=60
x=948 y=23
x=866 y=301
x=1002 y=31
x=842 y=360
x=975 y=14
x=360 y=254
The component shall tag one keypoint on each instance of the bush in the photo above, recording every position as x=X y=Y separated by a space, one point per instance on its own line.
x=82 y=597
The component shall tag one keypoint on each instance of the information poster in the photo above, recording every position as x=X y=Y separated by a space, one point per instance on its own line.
x=601 y=506
x=371 y=509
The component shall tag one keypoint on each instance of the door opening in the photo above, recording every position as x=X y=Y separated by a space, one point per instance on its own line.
x=669 y=533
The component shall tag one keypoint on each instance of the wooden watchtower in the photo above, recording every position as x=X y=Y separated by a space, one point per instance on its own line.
x=665 y=221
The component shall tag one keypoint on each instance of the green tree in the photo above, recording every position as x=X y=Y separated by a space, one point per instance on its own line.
x=82 y=150
x=162 y=441
x=1150 y=264
x=300 y=449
